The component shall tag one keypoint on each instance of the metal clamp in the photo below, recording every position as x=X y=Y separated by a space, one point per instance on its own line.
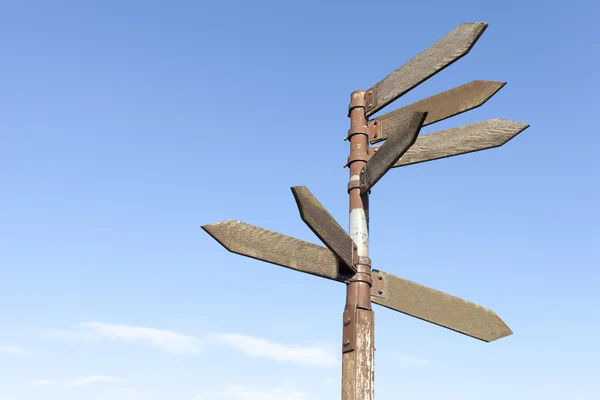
x=349 y=329
x=357 y=130
x=358 y=157
x=370 y=99
x=380 y=284
x=355 y=184
x=374 y=130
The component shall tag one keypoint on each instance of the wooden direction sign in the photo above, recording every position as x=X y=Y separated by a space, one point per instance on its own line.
x=439 y=107
x=345 y=257
x=440 y=55
x=461 y=140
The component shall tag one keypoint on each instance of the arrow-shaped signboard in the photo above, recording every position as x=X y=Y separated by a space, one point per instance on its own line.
x=465 y=139
x=439 y=107
x=435 y=58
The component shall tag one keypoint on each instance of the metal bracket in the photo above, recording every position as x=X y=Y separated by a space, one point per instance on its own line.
x=349 y=330
x=380 y=284
x=375 y=131
x=370 y=99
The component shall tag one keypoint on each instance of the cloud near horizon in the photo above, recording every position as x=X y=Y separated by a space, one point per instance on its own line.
x=75 y=383
x=170 y=342
x=16 y=350
x=301 y=355
x=181 y=344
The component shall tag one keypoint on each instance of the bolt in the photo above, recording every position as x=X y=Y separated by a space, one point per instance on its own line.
x=375 y=136
x=380 y=291
x=380 y=277
x=375 y=122
x=370 y=92
x=346 y=342
x=347 y=320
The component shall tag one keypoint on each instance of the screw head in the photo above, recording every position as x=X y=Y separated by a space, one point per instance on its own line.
x=380 y=291
x=380 y=277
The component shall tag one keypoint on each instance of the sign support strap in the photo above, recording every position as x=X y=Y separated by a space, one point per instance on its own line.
x=358 y=332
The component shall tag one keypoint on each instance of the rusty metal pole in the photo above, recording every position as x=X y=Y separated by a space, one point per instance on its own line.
x=358 y=329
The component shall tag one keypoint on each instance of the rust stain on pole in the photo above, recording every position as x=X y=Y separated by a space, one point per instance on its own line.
x=358 y=332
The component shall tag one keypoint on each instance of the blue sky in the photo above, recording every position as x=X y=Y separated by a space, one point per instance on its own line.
x=126 y=125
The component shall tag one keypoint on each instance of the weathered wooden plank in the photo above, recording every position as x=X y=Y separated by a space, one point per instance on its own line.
x=429 y=62
x=390 y=152
x=464 y=139
x=275 y=248
x=440 y=106
x=442 y=309
x=324 y=225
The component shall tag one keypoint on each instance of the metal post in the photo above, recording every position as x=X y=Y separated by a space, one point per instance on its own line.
x=358 y=333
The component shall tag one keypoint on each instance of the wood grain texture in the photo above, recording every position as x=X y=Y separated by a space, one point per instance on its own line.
x=464 y=139
x=442 y=309
x=429 y=62
x=405 y=134
x=442 y=106
x=323 y=225
x=275 y=248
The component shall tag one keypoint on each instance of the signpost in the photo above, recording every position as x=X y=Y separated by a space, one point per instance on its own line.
x=345 y=257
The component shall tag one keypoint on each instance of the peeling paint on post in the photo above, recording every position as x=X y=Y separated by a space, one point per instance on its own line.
x=358 y=334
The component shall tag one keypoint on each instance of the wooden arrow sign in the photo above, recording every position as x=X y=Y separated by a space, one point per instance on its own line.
x=275 y=248
x=438 y=56
x=441 y=309
x=439 y=107
x=390 y=152
x=464 y=139
x=324 y=225
x=401 y=295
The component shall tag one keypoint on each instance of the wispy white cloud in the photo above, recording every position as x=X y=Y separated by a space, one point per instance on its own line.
x=92 y=379
x=134 y=392
x=75 y=383
x=410 y=360
x=302 y=355
x=243 y=393
x=16 y=350
x=43 y=382
x=168 y=341
x=177 y=343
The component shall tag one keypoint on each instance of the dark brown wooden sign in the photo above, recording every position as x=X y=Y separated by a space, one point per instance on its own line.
x=394 y=147
x=318 y=219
